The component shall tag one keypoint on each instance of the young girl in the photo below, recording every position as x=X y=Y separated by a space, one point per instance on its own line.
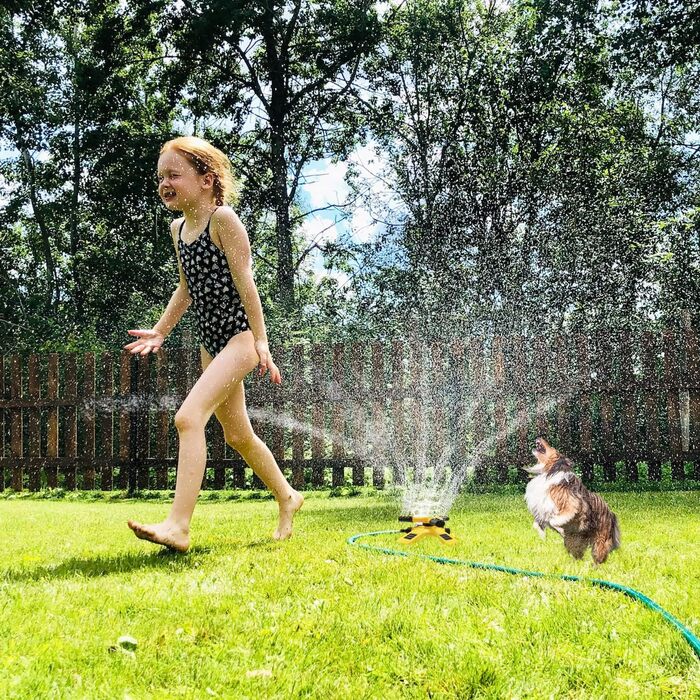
x=213 y=254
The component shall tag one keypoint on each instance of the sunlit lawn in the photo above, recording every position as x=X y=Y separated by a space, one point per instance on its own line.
x=240 y=616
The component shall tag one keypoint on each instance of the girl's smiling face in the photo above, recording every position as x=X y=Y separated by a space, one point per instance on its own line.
x=179 y=183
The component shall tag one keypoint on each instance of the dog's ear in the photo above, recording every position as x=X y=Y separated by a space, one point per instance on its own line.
x=563 y=464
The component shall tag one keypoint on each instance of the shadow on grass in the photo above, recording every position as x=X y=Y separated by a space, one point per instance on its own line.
x=93 y=567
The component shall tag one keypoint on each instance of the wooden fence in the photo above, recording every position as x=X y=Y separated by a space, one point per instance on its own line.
x=620 y=406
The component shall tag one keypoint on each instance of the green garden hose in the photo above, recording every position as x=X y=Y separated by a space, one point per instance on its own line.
x=687 y=634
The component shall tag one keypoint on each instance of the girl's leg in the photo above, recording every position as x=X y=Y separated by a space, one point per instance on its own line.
x=221 y=374
x=239 y=434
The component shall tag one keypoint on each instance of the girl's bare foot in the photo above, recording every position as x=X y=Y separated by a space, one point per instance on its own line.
x=288 y=507
x=165 y=533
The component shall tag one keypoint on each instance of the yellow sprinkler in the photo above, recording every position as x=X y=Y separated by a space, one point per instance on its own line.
x=424 y=526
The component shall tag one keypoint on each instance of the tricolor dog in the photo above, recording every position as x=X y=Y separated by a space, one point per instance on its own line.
x=557 y=498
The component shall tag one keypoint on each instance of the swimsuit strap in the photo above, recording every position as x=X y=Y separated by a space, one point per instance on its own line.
x=201 y=234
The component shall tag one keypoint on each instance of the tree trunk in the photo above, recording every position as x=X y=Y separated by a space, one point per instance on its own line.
x=280 y=192
x=51 y=279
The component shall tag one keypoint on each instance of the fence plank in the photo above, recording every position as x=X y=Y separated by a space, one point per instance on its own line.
x=628 y=392
x=105 y=405
x=298 y=368
x=673 y=414
x=478 y=417
x=540 y=365
x=359 y=418
x=34 y=425
x=498 y=359
x=521 y=395
x=651 y=385
x=70 y=421
x=16 y=432
x=563 y=389
x=3 y=413
x=318 y=446
x=52 y=382
x=583 y=383
x=379 y=392
x=87 y=414
x=692 y=345
x=162 y=421
x=398 y=420
x=338 y=416
x=277 y=431
x=606 y=451
x=125 y=419
x=143 y=396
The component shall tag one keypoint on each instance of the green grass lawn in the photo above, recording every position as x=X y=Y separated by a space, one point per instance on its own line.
x=240 y=616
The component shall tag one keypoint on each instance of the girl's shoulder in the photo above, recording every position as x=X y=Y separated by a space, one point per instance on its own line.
x=225 y=217
x=224 y=212
x=175 y=224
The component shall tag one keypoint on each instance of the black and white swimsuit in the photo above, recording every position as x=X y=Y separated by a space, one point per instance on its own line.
x=218 y=307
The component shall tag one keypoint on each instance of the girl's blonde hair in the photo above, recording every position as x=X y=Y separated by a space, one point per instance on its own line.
x=206 y=158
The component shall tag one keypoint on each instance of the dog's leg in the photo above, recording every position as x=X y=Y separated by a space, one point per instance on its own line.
x=540 y=530
x=576 y=545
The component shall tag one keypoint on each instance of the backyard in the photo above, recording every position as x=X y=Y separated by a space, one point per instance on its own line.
x=242 y=616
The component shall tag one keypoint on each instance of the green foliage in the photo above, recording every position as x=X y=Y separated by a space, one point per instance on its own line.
x=530 y=174
x=536 y=161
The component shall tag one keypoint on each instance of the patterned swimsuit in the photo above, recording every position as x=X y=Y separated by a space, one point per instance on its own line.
x=218 y=307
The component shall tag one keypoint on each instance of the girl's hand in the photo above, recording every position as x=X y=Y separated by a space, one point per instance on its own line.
x=266 y=362
x=149 y=341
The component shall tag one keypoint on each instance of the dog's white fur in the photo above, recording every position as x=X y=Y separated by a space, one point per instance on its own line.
x=541 y=505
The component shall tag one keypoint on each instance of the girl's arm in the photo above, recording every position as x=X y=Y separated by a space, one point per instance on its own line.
x=180 y=300
x=178 y=304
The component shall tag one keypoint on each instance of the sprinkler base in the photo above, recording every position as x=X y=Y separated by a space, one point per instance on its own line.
x=425 y=527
